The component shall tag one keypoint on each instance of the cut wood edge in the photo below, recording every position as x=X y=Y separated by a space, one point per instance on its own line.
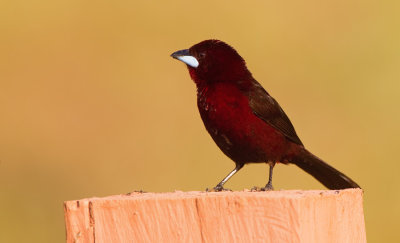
x=204 y=216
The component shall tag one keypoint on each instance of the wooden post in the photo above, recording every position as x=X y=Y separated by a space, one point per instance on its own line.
x=244 y=216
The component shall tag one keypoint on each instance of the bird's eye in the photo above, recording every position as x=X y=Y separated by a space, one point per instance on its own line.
x=202 y=54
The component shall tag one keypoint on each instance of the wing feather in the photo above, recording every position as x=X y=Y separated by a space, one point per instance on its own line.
x=268 y=109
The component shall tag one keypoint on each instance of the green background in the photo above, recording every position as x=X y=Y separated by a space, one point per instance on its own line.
x=91 y=103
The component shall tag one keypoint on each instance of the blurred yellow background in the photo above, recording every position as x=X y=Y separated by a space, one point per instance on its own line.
x=91 y=103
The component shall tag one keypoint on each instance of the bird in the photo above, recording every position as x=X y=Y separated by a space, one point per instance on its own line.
x=244 y=120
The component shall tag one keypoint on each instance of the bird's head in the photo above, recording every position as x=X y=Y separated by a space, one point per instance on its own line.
x=213 y=61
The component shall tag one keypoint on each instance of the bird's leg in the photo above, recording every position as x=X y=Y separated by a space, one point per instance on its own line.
x=220 y=185
x=269 y=186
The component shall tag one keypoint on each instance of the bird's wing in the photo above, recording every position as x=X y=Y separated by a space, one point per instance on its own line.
x=268 y=109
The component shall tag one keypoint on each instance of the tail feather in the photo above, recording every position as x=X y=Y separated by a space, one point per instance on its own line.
x=324 y=173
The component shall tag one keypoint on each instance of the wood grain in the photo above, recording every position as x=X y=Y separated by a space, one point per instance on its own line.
x=241 y=216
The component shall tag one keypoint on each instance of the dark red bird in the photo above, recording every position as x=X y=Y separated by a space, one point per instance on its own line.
x=246 y=123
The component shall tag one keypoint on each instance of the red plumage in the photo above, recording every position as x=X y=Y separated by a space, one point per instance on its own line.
x=246 y=123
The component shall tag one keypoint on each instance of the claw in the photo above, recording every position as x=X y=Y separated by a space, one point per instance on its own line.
x=268 y=187
x=218 y=189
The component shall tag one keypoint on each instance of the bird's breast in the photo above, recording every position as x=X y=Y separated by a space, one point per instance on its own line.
x=238 y=132
x=224 y=107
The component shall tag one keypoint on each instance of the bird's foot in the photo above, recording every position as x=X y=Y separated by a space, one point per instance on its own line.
x=218 y=188
x=136 y=191
x=267 y=187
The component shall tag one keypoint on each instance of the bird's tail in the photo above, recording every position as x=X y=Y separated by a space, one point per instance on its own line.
x=324 y=173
